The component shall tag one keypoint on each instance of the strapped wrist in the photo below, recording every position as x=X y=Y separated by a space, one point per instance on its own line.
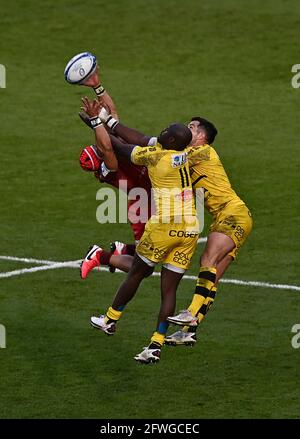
x=111 y=122
x=99 y=90
x=95 y=122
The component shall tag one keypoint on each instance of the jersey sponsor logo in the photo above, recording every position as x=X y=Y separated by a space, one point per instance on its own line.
x=142 y=152
x=178 y=159
x=182 y=234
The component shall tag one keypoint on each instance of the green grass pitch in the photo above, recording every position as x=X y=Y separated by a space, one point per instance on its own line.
x=229 y=61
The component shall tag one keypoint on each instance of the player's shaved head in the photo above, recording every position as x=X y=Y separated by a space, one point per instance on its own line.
x=176 y=136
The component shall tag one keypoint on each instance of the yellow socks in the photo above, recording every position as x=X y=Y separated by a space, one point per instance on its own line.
x=207 y=304
x=112 y=314
x=158 y=339
x=205 y=282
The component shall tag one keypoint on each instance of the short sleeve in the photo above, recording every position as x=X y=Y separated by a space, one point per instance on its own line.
x=197 y=154
x=146 y=155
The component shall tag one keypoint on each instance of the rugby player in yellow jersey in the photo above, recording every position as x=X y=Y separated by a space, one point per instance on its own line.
x=231 y=225
x=170 y=236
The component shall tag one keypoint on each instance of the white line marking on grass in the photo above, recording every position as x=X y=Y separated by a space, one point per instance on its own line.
x=52 y=265
x=27 y=260
x=230 y=281
x=203 y=239
x=247 y=283
x=261 y=284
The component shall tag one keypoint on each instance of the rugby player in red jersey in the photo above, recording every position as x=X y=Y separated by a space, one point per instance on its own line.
x=126 y=176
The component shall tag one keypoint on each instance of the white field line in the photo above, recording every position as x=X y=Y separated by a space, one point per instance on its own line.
x=28 y=260
x=203 y=239
x=51 y=265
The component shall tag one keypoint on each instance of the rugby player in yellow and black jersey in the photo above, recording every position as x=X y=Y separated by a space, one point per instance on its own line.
x=170 y=236
x=231 y=224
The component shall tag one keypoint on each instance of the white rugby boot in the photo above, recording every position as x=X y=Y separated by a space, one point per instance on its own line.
x=181 y=338
x=99 y=323
x=184 y=318
x=148 y=356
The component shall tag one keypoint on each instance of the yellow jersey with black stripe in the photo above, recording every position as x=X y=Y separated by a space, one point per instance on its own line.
x=170 y=178
x=207 y=172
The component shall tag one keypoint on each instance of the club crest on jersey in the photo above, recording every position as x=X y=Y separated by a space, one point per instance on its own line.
x=179 y=159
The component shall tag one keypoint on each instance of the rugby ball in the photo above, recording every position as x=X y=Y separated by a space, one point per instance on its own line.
x=80 y=67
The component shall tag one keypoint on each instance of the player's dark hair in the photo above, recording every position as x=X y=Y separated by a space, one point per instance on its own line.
x=210 y=129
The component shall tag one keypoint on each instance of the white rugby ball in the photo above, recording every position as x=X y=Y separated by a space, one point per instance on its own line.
x=80 y=67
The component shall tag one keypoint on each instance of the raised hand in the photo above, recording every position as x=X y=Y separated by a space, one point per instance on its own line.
x=92 y=108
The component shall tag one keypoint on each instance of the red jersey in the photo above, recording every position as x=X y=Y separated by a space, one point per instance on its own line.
x=136 y=177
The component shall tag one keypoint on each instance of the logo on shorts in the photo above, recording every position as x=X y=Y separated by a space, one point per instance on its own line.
x=147 y=244
x=229 y=221
x=183 y=234
x=180 y=258
x=159 y=254
x=239 y=233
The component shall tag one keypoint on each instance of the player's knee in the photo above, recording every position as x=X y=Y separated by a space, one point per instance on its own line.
x=212 y=255
x=208 y=259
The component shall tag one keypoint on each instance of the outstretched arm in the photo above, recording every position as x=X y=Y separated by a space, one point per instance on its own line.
x=121 y=149
x=103 y=142
x=110 y=117
x=130 y=135
x=104 y=98
x=139 y=155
